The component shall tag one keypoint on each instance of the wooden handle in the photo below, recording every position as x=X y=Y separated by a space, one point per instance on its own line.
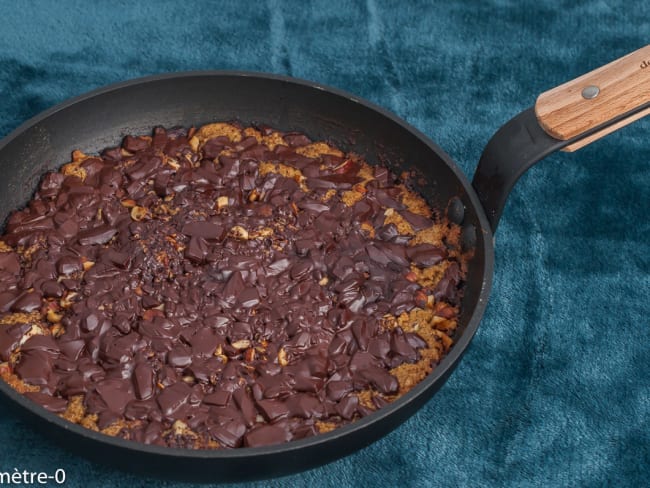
x=596 y=98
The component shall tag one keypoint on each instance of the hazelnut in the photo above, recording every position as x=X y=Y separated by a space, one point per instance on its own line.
x=54 y=317
x=241 y=344
x=138 y=213
x=128 y=203
x=282 y=357
x=249 y=355
x=238 y=232
x=222 y=202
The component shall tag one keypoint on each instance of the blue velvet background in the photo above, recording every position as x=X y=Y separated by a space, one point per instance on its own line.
x=555 y=389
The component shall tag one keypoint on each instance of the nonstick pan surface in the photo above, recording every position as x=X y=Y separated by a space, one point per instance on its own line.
x=102 y=118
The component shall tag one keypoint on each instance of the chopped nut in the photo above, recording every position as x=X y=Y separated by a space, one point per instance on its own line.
x=150 y=313
x=441 y=309
x=67 y=300
x=180 y=428
x=254 y=195
x=5 y=369
x=172 y=162
x=87 y=264
x=238 y=232
x=420 y=299
x=194 y=143
x=74 y=169
x=189 y=379
x=282 y=357
x=54 y=317
x=262 y=233
x=57 y=330
x=388 y=212
x=359 y=188
x=78 y=156
x=249 y=355
x=128 y=203
x=368 y=227
x=241 y=344
x=324 y=281
x=219 y=353
x=222 y=202
x=138 y=213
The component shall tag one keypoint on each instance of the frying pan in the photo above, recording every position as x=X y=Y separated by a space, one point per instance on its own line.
x=567 y=117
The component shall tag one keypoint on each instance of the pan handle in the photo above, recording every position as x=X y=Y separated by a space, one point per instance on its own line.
x=566 y=118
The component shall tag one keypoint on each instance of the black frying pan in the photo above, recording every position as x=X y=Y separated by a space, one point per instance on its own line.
x=101 y=118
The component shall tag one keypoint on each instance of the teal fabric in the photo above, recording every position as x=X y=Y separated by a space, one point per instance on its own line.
x=555 y=388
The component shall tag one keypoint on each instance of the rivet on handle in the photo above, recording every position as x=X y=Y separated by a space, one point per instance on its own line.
x=589 y=92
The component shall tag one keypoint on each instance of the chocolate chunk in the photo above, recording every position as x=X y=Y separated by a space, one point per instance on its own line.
x=231 y=434
x=41 y=343
x=246 y=406
x=134 y=144
x=50 y=403
x=447 y=287
x=9 y=262
x=97 y=235
x=265 y=435
x=27 y=302
x=234 y=286
x=172 y=398
x=52 y=289
x=68 y=265
x=305 y=406
x=424 y=255
x=143 y=380
x=116 y=393
x=272 y=409
x=204 y=343
x=347 y=407
x=249 y=297
x=301 y=269
x=338 y=389
x=35 y=367
x=339 y=181
x=180 y=356
x=220 y=398
x=418 y=222
x=138 y=410
x=72 y=348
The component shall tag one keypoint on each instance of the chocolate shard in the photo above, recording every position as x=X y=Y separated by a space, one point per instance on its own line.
x=204 y=229
x=50 y=403
x=97 y=235
x=425 y=255
x=265 y=435
x=172 y=398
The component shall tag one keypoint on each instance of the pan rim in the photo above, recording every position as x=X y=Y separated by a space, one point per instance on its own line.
x=440 y=372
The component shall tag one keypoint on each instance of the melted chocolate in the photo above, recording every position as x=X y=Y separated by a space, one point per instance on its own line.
x=247 y=321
